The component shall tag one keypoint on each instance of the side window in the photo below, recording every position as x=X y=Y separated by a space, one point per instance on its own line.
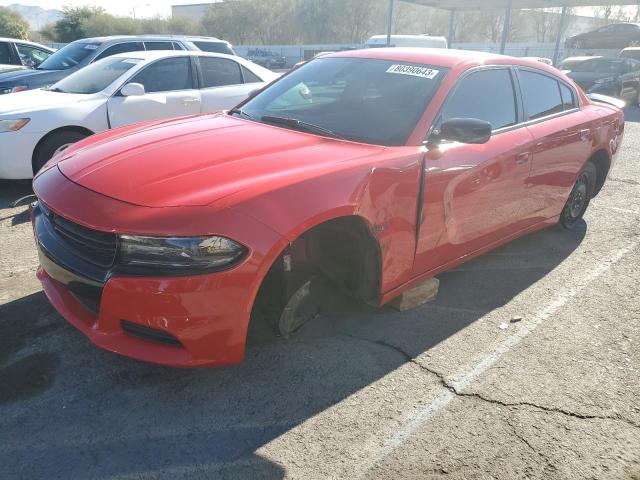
x=178 y=46
x=120 y=48
x=31 y=56
x=217 y=72
x=158 y=45
x=540 y=94
x=568 y=98
x=166 y=75
x=249 y=76
x=486 y=95
x=5 y=53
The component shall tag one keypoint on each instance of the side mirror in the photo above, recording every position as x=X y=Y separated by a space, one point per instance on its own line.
x=132 y=90
x=465 y=130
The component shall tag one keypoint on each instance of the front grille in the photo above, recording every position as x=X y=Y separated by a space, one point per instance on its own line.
x=98 y=248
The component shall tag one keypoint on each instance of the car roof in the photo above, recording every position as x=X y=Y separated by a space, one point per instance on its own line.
x=147 y=55
x=441 y=57
x=119 y=38
x=582 y=58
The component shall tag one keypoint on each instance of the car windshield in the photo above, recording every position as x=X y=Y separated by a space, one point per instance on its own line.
x=96 y=77
x=69 y=56
x=598 y=65
x=364 y=100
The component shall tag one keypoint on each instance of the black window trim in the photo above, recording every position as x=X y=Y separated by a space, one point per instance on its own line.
x=195 y=83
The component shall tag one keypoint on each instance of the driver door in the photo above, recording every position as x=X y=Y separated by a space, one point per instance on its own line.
x=169 y=92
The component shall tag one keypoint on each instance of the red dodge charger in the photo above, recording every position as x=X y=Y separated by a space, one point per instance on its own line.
x=373 y=169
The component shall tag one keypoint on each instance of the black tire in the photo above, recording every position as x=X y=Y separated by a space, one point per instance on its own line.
x=51 y=145
x=579 y=198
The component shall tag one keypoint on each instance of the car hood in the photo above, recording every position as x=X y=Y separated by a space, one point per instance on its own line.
x=201 y=160
x=24 y=74
x=35 y=100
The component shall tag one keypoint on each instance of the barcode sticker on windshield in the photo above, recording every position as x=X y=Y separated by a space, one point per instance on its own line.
x=414 y=71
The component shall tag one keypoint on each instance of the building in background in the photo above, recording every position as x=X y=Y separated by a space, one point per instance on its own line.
x=193 y=11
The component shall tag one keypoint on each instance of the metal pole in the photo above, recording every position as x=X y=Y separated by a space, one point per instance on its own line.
x=389 y=22
x=506 y=27
x=556 y=52
x=452 y=19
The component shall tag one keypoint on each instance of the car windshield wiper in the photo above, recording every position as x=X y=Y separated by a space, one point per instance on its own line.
x=300 y=125
x=242 y=113
x=56 y=89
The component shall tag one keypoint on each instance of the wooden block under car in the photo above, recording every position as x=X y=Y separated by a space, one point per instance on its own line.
x=418 y=295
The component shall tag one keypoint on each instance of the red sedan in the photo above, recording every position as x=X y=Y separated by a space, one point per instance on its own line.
x=375 y=169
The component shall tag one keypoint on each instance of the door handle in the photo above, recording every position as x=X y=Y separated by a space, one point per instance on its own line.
x=187 y=101
x=585 y=135
x=523 y=158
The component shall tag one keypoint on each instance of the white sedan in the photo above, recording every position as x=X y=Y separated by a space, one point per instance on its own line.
x=114 y=92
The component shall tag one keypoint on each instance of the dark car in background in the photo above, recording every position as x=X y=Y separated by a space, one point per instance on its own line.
x=266 y=58
x=615 y=35
x=21 y=54
x=614 y=76
x=81 y=53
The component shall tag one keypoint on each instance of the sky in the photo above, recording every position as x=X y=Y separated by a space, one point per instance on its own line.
x=116 y=7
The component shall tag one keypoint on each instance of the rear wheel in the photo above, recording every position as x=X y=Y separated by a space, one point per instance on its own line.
x=579 y=197
x=53 y=145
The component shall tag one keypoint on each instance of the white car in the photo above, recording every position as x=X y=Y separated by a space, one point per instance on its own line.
x=117 y=91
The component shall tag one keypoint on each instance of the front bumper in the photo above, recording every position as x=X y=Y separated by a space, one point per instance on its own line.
x=16 y=151
x=208 y=314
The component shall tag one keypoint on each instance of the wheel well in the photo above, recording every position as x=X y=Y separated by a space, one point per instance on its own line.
x=52 y=133
x=342 y=250
x=601 y=161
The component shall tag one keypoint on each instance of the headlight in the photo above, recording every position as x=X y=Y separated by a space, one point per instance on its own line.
x=13 y=125
x=601 y=81
x=181 y=254
x=17 y=88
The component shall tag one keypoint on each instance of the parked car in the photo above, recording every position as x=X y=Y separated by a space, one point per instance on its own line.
x=21 y=54
x=118 y=91
x=617 y=77
x=157 y=241
x=615 y=35
x=415 y=41
x=266 y=58
x=81 y=53
x=630 y=52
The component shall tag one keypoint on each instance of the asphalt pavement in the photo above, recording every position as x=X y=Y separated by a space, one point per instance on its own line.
x=527 y=365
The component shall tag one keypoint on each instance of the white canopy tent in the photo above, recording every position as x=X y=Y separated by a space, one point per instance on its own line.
x=509 y=6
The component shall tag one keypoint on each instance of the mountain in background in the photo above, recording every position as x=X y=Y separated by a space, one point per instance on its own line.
x=37 y=17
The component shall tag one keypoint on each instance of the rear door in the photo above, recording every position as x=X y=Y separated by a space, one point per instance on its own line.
x=562 y=140
x=223 y=83
x=480 y=188
x=170 y=92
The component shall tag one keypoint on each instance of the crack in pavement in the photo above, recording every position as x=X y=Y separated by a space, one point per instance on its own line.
x=624 y=180
x=479 y=396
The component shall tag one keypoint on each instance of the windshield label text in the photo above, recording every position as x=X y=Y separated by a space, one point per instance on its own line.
x=414 y=71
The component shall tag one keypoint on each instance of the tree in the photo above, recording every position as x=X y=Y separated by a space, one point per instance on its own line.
x=13 y=25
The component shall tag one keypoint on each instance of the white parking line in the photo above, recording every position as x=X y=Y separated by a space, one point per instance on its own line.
x=417 y=421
